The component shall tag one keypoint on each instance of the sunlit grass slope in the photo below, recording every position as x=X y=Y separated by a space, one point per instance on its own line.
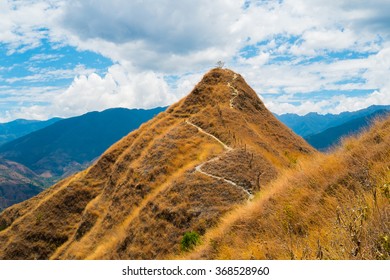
x=333 y=206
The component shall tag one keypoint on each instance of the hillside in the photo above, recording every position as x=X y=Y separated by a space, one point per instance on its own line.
x=11 y=130
x=17 y=183
x=182 y=171
x=314 y=123
x=70 y=145
x=333 y=206
x=331 y=137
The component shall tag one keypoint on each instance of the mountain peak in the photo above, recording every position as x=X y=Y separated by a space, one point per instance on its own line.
x=219 y=88
x=181 y=171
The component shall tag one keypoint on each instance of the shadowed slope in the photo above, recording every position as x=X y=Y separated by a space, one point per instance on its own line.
x=17 y=183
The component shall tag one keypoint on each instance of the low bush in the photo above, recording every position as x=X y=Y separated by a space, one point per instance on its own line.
x=189 y=241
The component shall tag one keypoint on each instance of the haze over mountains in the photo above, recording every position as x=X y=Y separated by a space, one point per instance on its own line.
x=63 y=148
x=314 y=123
x=331 y=137
x=326 y=131
x=18 y=128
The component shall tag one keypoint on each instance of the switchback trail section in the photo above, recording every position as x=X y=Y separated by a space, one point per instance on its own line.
x=198 y=168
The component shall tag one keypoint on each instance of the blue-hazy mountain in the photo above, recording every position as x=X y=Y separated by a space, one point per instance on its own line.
x=314 y=123
x=34 y=161
x=332 y=136
x=18 y=128
x=70 y=145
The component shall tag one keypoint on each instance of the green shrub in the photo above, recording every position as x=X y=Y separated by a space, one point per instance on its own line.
x=189 y=241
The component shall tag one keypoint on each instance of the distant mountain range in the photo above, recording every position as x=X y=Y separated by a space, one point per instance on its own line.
x=332 y=136
x=314 y=123
x=18 y=128
x=70 y=144
x=64 y=147
x=325 y=131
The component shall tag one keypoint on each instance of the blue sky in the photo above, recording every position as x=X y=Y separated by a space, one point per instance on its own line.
x=65 y=58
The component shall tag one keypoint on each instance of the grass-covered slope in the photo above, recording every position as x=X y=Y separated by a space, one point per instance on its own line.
x=332 y=206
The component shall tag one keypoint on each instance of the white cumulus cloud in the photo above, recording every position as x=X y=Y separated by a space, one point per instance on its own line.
x=301 y=47
x=120 y=87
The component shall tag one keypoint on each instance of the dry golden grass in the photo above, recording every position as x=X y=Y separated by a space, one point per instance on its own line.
x=335 y=206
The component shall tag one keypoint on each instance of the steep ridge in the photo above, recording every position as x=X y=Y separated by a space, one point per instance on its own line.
x=334 y=206
x=179 y=172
